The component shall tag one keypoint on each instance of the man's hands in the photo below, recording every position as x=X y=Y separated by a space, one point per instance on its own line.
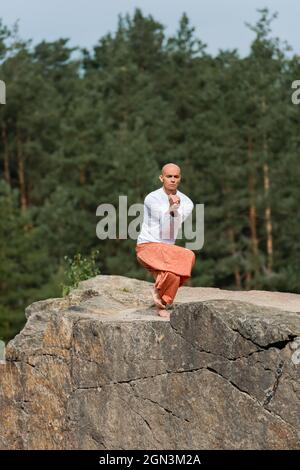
x=174 y=203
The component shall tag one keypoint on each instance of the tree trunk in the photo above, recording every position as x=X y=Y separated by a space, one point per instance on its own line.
x=268 y=212
x=82 y=176
x=252 y=212
x=252 y=208
x=237 y=274
x=248 y=278
x=268 y=218
x=21 y=173
x=6 y=155
x=232 y=244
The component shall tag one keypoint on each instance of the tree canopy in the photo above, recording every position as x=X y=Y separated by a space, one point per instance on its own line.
x=80 y=128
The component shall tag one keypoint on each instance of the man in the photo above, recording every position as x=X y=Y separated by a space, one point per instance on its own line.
x=165 y=209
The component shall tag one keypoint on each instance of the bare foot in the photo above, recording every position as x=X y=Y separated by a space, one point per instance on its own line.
x=163 y=313
x=157 y=300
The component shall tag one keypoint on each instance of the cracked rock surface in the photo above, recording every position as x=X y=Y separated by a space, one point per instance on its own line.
x=98 y=369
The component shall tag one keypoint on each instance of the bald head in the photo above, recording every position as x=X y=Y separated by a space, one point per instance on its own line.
x=170 y=177
x=169 y=168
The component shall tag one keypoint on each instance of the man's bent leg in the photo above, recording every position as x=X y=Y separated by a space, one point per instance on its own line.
x=167 y=284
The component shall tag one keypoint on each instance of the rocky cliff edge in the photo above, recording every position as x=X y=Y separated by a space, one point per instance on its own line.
x=98 y=369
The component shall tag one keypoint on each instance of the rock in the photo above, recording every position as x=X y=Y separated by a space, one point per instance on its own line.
x=98 y=369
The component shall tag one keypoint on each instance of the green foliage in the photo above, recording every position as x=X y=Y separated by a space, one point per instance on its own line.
x=79 y=268
x=75 y=133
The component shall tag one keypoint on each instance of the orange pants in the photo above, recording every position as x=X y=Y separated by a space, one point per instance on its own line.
x=170 y=265
x=167 y=284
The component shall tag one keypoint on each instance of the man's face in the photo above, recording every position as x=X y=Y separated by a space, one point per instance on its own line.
x=171 y=177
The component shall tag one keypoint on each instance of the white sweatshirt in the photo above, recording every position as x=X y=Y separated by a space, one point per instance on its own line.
x=158 y=224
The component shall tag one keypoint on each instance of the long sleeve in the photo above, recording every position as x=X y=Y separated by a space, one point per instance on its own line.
x=158 y=224
x=159 y=219
x=171 y=224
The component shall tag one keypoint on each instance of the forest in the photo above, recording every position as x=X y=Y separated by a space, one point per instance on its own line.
x=82 y=127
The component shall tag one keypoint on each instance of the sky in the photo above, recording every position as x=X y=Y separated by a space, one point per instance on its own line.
x=218 y=23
